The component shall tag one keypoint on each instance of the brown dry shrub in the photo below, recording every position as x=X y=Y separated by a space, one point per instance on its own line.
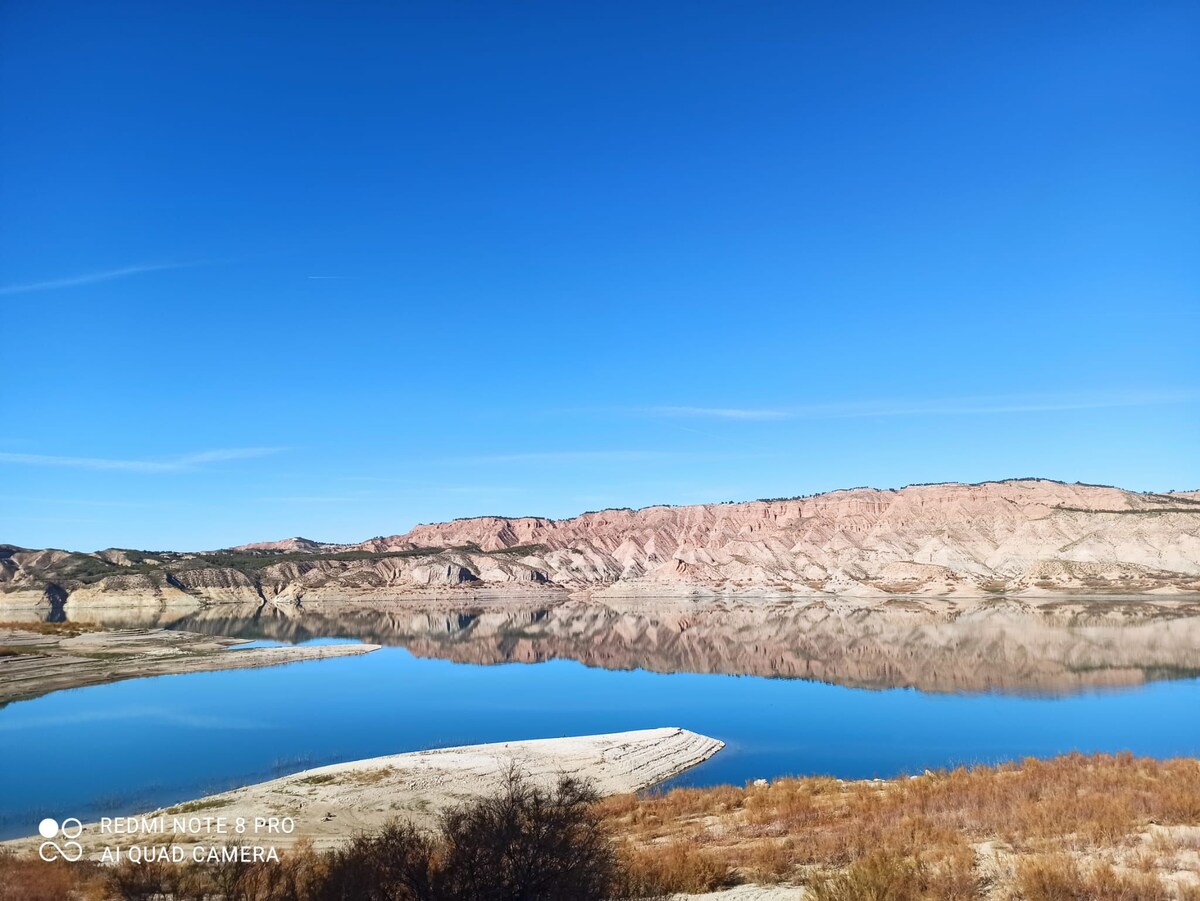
x=877 y=877
x=889 y=876
x=771 y=861
x=1070 y=803
x=667 y=869
x=30 y=879
x=1059 y=877
x=150 y=881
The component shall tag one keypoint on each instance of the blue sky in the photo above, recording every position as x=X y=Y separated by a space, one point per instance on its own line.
x=334 y=269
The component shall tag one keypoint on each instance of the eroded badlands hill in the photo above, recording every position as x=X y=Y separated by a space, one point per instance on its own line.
x=1018 y=537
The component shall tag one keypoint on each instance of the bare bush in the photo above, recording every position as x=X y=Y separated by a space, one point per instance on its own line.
x=527 y=844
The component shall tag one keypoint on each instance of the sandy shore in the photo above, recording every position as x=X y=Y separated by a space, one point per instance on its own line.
x=749 y=893
x=35 y=663
x=332 y=803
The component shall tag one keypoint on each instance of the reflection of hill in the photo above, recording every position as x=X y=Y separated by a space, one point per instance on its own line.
x=1000 y=645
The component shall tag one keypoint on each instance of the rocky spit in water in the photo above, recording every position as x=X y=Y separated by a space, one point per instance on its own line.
x=331 y=804
x=34 y=663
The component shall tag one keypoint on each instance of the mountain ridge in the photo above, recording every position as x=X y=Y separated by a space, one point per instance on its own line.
x=1190 y=495
x=1020 y=536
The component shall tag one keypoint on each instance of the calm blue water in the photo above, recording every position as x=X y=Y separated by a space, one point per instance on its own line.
x=131 y=746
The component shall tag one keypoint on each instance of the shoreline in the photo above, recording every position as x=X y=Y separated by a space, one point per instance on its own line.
x=1036 y=648
x=35 y=607
x=980 y=831
x=37 y=663
x=330 y=804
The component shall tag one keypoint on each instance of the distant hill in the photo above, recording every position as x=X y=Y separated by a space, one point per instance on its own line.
x=1020 y=536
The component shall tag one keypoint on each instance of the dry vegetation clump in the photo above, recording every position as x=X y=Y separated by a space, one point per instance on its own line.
x=891 y=877
x=525 y=843
x=1076 y=828
x=370 y=777
x=674 y=867
x=1060 y=877
x=29 y=879
x=961 y=834
x=65 y=629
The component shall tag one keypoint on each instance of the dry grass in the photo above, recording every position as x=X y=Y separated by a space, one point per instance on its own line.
x=202 y=804
x=675 y=867
x=372 y=776
x=319 y=779
x=984 y=832
x=29 y=879
x=6 y=651
x=1074 y=828
x=881 y=876
x=68 y=630
x=1060 y=877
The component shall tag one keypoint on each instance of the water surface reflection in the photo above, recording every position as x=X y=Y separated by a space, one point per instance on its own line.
x=995 y=682
x=1000 y=645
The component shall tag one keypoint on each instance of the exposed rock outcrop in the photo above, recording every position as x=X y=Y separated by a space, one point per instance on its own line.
x=1026 y=537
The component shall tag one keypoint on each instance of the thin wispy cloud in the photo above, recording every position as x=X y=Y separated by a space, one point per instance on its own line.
x=168 y=464
x=613 y=456
x=961 y=406
x=312 y=499
x=90 y=278
x=425 y=485
x=80 y=502
x=570 y=457
x=718 y=413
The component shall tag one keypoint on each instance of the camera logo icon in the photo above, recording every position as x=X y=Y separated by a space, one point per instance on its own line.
x=69 y=850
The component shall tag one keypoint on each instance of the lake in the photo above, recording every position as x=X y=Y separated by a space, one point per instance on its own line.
x=830 y=693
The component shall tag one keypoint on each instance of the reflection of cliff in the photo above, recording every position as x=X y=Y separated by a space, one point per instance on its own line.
x=1001 y=645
